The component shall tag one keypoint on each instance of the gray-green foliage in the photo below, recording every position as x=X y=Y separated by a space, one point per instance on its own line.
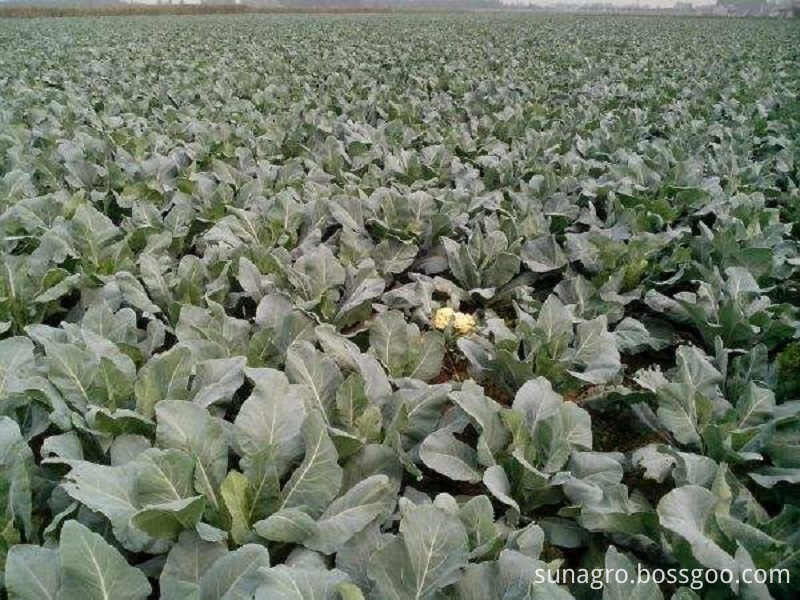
x=223 y=242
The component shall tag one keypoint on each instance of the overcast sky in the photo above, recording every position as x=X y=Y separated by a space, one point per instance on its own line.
x=649 y=3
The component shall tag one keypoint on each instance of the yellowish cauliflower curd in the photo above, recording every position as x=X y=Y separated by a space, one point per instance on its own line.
x=462 y=323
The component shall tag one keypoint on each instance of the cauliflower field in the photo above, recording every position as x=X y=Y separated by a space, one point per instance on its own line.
x=398 y=307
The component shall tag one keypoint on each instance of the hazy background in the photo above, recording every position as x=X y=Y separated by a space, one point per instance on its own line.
x=773 y=8
x=653 y=3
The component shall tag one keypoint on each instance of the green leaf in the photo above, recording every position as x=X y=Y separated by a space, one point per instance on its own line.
x=446 y=455
x=163 y=377
x=392 y=572
x=596 y=352
x=536 y=402
x=169 y=519
x=271 y=417
x=32 y=573
x=16 y=359
x=496 y=481
x=427 y=354
x=237 y=498
x=236 y=575
x=632 y=589
x=290 y=525
x=401 y=348
x=366 y=291
x=543 y=255
x=214 y=329
x=479 y=582
x=695 y=369
x=351 y=400
x=316 y=272
x=164 y=476
x=72 y=370
x=288 y=583
x=318 y=478
x=16 y=473
x=92 y=569
x=388 y=341
x=187 y=563
x=428 y=557
x=518 y=578
x=688 y=512
x=191 y=428
x=555 y=325
x=348 y=591
x=349 y=514
x=110 y=491
x=262 y=476
x=216 y=380
x=485 y=412
x=682 y=411
x=307 y=366
x=477 y=515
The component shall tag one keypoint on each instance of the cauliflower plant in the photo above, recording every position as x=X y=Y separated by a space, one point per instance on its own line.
x=462 y=322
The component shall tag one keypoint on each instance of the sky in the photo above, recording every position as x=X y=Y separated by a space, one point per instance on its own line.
x=643 y=3
x=646 y=3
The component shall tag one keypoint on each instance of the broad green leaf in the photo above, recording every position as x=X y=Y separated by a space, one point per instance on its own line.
x=477 y=515
x=485 y=412
x=264 y=481
x=163 y=377
x=271 y=417
x=543 y=255
x=596 y=352
x=167 y=520
x=164 y=476
x=216 y=380
x=427 y=355
x=695 y=369
x=351 y=400
x=403 y=350
x=236 y=575
x=93 y=569
x=316 y=272
x=632 y=588
x=307 y=366
x=318 y=478
x=212 y=328
x=189 y=427
x=689 y=512
x=536 y=402
x=446 y=455
x=32 y=573
x=290 y=525
x=16 y=359
x=290 y=583
x=479 y=582
x=555 y=325
x=16 y=475
x=237 y=499
x=392 y=572
x=353 y=557
x=187 y=563
x=524 y=577
x=110 y=491
x=496 y=481
x=388 y=340
x=683 y=411
x=350 y=513
x=72 y=370
x=349 y=591
x=428 y=557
